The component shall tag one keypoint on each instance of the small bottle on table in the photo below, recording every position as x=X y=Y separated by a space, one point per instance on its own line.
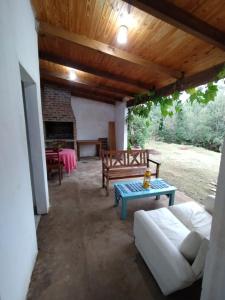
x=147 y=179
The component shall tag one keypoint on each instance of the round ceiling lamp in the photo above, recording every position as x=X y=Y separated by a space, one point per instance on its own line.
x=122 y=34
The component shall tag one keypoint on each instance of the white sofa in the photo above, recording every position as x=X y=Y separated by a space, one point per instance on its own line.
x=158 y=237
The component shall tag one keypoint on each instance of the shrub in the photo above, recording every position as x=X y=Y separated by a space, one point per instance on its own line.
x=138 y=132
x=196 y=124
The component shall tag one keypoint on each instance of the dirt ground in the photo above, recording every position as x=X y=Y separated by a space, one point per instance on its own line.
x=189 y=168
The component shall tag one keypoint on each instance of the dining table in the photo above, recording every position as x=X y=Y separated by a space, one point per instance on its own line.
x=68 y=157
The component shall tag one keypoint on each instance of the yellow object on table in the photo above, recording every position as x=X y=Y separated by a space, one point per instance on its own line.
x=147 y=179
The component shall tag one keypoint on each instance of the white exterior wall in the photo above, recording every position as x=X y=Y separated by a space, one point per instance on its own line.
x=18 y=245
x=121 y=125
x=92 y=120
x=214 y=274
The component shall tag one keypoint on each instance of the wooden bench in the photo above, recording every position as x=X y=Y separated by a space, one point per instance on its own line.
x=126 y=164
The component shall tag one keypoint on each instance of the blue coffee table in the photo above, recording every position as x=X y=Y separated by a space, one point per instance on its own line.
x=130 y=190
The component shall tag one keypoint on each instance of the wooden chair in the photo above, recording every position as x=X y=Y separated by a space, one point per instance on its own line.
x=54 y=163
x=126 y=164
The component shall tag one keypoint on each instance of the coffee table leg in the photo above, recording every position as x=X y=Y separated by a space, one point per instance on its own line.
x=171 y=198
x=157 y=197
x=124 y=209
x=117 y=197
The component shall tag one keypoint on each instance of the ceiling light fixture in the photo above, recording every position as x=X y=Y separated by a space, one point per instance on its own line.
x=72 y=74
x=122 y=34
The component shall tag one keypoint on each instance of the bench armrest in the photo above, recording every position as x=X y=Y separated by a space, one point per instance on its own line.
x=104 y=165
x=154 y=161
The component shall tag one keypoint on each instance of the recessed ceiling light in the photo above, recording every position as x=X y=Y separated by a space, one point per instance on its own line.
x=72 y=74
x=122 y=34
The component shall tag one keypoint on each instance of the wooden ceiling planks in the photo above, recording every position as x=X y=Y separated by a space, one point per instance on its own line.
x=182 y=19
x=207 y=13
x=144 y=78
x=102 y=21
x=53 y=31
x=149 y=38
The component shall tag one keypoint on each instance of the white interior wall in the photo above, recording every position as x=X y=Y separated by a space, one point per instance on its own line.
x=18 y=245
x=92 y=119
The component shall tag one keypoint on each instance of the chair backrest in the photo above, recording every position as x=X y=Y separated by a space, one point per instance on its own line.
x=125 y=158
x=52 y=157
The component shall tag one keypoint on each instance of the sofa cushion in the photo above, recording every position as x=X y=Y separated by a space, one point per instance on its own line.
x=199 y=262
x=173 y=229
x=210 y=203
x=190 y=245
x=194 y=216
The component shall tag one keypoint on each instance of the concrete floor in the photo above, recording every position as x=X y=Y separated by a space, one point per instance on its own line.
x=86 y=252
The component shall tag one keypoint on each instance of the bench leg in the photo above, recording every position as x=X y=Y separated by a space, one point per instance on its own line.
x=117 y=197
x=107 y=186
x=103 y=179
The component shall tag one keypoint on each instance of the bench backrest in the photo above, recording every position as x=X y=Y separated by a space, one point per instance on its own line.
x=125 y=158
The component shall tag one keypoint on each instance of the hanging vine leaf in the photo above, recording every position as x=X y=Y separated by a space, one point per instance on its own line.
x=172 y=103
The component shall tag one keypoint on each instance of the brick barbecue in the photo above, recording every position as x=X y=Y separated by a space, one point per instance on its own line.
x=58 y=116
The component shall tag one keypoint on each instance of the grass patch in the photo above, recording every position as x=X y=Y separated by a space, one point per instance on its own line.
x=189 y=168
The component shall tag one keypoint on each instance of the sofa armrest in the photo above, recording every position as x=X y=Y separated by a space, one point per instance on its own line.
x=170 y=269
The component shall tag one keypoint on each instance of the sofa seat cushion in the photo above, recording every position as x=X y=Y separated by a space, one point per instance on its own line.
x=173 y=229
x=194 y=216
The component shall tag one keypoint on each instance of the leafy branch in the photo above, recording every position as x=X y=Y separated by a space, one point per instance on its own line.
x=172 y=103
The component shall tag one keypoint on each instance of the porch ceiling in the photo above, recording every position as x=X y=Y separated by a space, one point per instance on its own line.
x=186 y=40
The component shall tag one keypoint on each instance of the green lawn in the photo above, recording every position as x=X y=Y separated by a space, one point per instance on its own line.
x=189 y=168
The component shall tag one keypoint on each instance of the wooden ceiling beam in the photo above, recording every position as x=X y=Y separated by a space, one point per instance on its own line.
x=100 y=73
x=92 y=96
x=77 y=92
x=88 y=84
x=59 y=79
x=181 y=19
x=57 y=32
x=187 y=82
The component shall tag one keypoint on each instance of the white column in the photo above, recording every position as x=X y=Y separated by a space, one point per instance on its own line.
x=214 y=275
x=121 y=125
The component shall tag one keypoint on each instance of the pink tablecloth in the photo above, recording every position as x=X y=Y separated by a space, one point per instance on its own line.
x=68 y=156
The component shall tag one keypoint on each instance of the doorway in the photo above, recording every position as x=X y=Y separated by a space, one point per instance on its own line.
x=36 y=156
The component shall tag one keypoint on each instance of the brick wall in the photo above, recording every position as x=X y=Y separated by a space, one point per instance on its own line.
x=56 y=105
